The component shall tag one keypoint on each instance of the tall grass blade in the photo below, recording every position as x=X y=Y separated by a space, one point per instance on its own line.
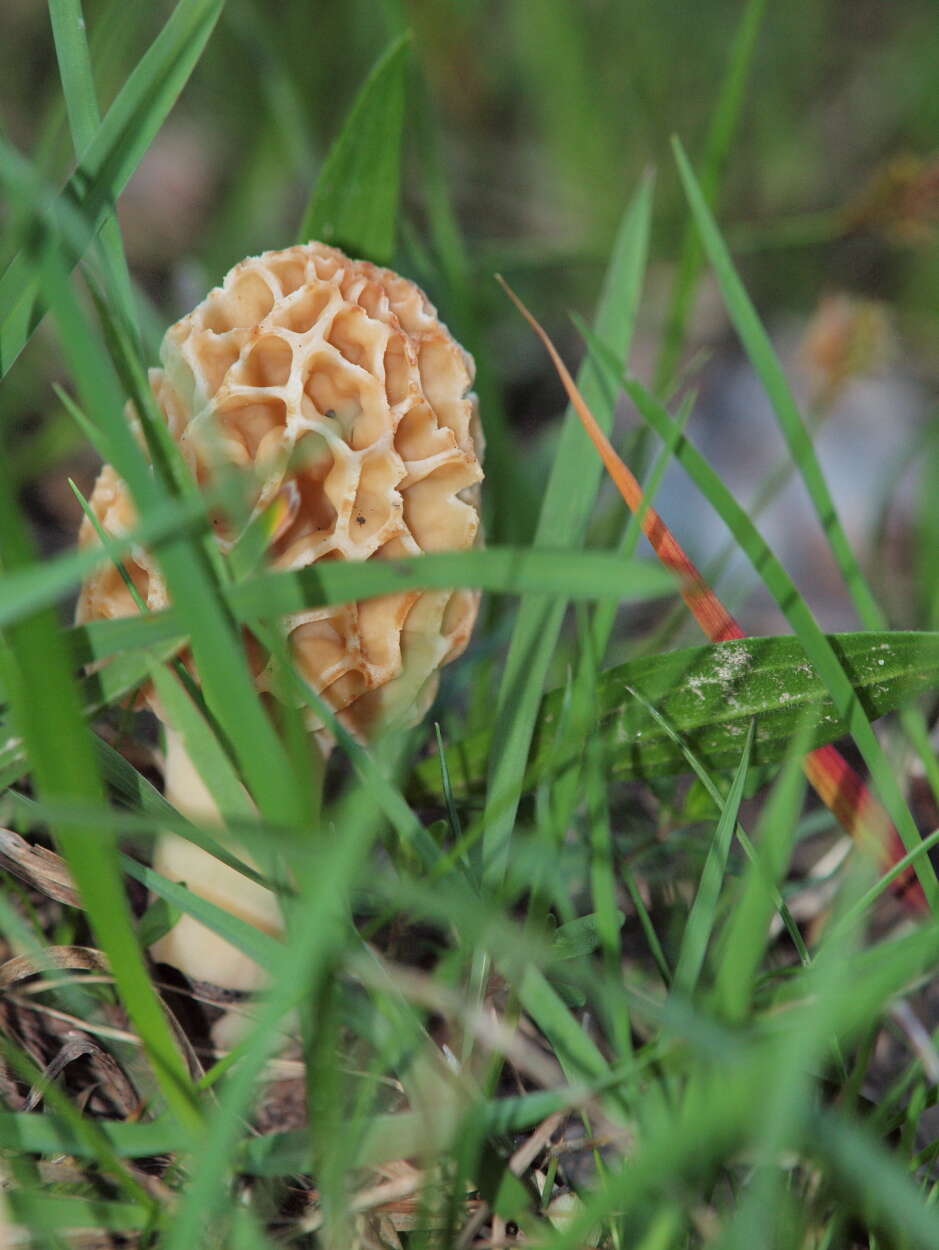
x=47 y=713
x=568 y=497
x=111 y=158
x=700 y=923
x=81 y=102
x=723 y=126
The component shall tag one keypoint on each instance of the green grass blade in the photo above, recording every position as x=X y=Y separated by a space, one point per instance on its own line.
x=27 y=590
x=502 y=570
x=770 y=372
x=317 y=932
x=265 y=950
x=78 y=87
x=723 y=126
x=228 y=687
x=111 y=158
x=798 y=1049
x=713 y=790
x=94 y=1142
x=577 y=1054
x=701 y=1132
x=505 y=570
x=700 y=923
x=604 y=873
x=45 y=703
x=208 y=756
x=45 y=1212
x=883 y=883
x=747 y=933
x=34 y=1133
x=355 y=202
x=568 y=498
x=876 y=1180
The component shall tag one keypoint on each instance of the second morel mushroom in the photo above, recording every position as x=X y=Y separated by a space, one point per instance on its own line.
x=335 y=386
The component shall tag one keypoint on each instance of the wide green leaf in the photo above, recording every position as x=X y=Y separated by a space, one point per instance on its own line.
x=709 y=695
x=355 y=202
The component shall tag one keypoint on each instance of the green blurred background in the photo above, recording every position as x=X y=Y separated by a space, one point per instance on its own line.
x=545 y=113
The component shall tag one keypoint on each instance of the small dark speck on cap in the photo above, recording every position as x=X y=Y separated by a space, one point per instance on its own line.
x=360 y=520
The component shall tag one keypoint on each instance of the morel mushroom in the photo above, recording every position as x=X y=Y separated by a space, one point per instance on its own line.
x=335 y=386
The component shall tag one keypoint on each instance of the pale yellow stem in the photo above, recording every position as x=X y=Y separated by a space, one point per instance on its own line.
x=189 y=946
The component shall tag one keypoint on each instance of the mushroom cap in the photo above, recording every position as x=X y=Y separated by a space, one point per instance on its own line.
x=335 y=385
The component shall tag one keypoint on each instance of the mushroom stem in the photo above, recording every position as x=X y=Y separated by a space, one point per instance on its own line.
x=195 y=950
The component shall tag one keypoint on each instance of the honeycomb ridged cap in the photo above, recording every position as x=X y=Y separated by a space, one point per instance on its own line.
x=336 y=384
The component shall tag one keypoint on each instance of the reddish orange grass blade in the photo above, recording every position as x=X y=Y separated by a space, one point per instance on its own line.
x=839 y=787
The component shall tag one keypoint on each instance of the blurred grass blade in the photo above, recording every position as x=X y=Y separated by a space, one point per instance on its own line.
x=502 y=570
x=316 y=932
x=568 y=498
x=37 y=1133
x=701 y=917
x=44 y=699
x=721 y=130
x=87 y=1131
x=111 y=158
x=505 y=570
x=576 y=1052
x=878 y=1184
x=48 y=1213
x=26 y=590
x=355 y=201
x=216 y=644
x=81 y=102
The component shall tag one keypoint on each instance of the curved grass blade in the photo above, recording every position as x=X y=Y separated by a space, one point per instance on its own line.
x=766 y=364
